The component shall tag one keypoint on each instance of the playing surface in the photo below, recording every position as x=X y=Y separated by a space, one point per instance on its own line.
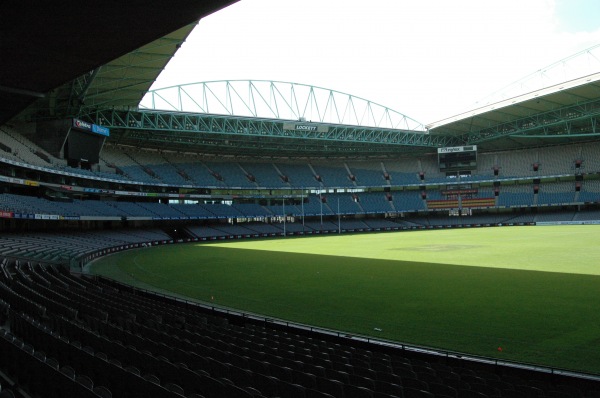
x=533 y=291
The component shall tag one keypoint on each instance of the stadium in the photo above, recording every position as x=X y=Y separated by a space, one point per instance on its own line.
x=262 y=238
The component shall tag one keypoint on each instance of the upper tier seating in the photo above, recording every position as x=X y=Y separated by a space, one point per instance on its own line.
x=299 y=175
x=430 y=169
x=265 y=175
x=367 y=173
x=333 y=175
x=232 y=174
x=167 y=168
x=403 y=171
x=23 y=150
x=201 y=175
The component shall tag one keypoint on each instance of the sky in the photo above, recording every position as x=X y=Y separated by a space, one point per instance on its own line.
x=428 y=59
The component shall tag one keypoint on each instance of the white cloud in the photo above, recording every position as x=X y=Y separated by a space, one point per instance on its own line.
x=428 y=59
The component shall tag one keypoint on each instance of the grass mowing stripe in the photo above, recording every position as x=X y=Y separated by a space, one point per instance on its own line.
x=548 y=318
x=564 y=248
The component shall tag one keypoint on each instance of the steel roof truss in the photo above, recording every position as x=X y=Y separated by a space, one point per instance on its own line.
x=535 y=124
x=234 y=128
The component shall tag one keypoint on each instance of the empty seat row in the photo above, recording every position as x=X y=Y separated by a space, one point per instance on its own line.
x=162 y=347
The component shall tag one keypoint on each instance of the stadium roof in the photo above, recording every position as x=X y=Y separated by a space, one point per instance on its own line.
x=561 y=113
x=548 y=99
x=78 y=59
x=48 y=44
x=564 y=113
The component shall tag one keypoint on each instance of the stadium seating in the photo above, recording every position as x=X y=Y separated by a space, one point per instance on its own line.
x=589 y=158
x=485 y=166
x=62 y=248
x=266 y=175
x=133 y=170
x=195 y=170
x=516 y=195
x=325 y=226
x=231 y=173
x=299 y=175
x=223 y=211
x=90 y=337
x=346 y=204
x=193 y=211
x=402 y=171
x=280 y=210
x=587 y=215
x=555 y=161
x=354 y=226
x=21 y=149
x=377 y=224
x=556 y=194
x=518 y=163
x=252 y=210
x=374 y=203
x=317 y=206
x=333 y=175
x=205 y=232
x=590 y=191
x=408 y=200
x=368 y=173
x=266 y=229
x=152 y=167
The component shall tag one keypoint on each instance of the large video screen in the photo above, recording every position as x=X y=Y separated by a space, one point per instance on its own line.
x=83 y=147
x=462 y=158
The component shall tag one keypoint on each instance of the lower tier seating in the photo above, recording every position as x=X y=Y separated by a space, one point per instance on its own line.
x=68 y=335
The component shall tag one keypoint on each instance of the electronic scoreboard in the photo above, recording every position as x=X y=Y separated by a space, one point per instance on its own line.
x=457 y=159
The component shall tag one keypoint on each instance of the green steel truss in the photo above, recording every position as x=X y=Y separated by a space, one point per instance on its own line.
x=575 y=121
x=251 y=136
x=267 y=118
x=277 y=100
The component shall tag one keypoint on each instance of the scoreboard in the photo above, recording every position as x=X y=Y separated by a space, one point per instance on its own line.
x=457 y=158
x=83 y=143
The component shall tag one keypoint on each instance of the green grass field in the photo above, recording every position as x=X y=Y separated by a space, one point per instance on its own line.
x=534 y=291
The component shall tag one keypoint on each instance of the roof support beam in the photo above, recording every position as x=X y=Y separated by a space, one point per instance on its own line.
x=558 y=122
x=264 y=134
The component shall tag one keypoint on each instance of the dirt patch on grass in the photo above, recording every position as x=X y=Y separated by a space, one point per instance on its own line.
x=438 y=248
